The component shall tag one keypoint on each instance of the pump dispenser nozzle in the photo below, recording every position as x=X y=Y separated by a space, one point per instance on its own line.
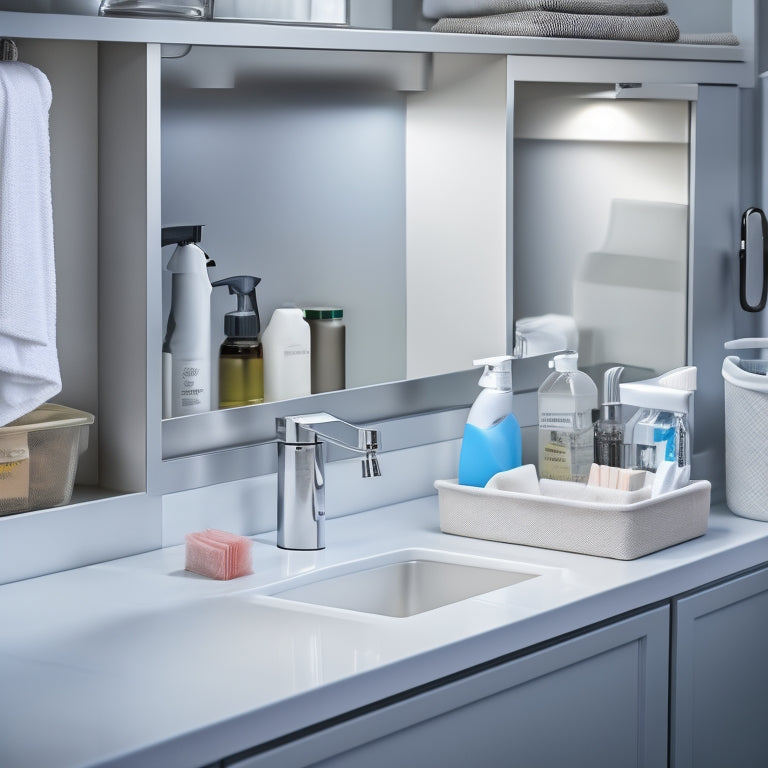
x=609 y=428
x=611 y=393
x=243 y=323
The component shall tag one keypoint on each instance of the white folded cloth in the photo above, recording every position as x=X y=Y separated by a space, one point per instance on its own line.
x=522 y=479
x=29 y=365
x=435 y=9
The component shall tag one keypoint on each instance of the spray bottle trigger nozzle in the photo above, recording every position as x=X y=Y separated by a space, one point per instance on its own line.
x=183 y=235
x=245 y=321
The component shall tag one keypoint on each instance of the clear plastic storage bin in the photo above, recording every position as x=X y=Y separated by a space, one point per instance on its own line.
x=39 y=453
x=746 y=431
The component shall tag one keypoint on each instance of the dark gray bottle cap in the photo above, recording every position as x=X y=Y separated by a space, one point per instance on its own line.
x=245 y=326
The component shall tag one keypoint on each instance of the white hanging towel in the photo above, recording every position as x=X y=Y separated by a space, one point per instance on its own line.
x=29 y=364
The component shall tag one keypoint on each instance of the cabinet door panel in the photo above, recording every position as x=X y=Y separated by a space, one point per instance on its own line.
x=599 y=699
x=720 y=676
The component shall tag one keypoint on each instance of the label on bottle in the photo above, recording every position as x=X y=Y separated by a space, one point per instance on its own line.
x=295 y=352
x=14 y=467
x=191 y=386
x=557 y=420
x=555 y=459
x=649 y=453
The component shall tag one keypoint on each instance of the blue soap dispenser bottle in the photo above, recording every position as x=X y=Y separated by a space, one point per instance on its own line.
x=492 y=442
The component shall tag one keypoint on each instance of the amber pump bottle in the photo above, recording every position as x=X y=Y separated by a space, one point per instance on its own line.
x=241 y=358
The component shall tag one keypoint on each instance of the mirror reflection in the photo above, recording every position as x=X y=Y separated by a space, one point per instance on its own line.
x=601 y=226
x=389 y=204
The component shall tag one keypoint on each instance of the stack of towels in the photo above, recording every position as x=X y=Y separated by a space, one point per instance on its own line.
x=635 y=20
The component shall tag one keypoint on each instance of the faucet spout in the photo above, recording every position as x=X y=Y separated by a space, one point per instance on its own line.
x=301 y=473
x=316 y=427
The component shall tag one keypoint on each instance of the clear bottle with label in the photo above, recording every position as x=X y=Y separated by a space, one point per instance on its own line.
x=567 y=399
x=287 y=360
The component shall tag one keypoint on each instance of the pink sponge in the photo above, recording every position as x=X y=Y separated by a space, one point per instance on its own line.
x=218 y=554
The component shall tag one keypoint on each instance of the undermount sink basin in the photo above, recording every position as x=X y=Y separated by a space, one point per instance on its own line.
x=404 y=588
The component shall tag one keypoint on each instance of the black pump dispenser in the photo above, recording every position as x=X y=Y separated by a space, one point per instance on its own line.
x=244 y=322
x=241 y=358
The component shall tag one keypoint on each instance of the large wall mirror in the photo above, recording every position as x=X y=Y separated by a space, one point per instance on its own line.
x=380 y=183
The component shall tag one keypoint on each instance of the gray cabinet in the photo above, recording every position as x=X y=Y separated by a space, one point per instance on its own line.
x=719 y=703
x=597 y=699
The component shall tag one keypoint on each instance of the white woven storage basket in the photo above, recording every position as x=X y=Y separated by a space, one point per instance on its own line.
x=568 y=522
x=746 y=437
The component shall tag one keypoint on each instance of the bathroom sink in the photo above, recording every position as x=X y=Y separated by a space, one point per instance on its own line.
x=404 y=588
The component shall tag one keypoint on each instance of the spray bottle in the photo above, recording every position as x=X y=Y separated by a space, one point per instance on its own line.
x=241 y=358
x=187 y=345
x=492 y=441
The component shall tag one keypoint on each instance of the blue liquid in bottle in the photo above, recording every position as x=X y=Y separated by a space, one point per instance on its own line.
x=484 y=452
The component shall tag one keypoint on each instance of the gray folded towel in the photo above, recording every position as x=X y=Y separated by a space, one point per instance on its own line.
x=436 y=9
x=660 y=29
x=708 y=38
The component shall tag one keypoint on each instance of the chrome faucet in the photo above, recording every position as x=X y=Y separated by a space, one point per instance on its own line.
x=301 y=473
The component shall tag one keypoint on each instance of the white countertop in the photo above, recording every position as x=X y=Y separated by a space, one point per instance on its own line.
x=138 y=662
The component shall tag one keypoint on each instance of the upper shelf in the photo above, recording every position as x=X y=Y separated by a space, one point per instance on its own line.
x=219 y=33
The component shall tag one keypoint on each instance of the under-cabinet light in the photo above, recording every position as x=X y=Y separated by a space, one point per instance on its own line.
x=649 y=91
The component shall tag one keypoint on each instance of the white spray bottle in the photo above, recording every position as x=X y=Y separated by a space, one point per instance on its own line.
x=187 y=345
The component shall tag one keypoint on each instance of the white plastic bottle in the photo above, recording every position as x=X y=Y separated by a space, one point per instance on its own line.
x=287 y=361
x=567 y=398
x=187 y=345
